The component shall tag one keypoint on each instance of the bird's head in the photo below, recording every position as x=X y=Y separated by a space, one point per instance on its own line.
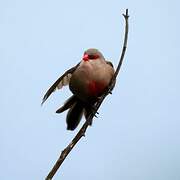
x=92 y=54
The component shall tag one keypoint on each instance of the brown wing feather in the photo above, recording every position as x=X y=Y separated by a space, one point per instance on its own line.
x=110 y=63
x=61 y=81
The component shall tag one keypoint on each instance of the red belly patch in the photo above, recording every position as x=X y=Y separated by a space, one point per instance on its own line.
x=95 y=88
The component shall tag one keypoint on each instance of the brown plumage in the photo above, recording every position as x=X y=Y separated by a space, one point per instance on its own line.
x=87 y=81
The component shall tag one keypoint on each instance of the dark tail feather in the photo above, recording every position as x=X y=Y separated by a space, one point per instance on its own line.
x=88 y=111
x=68 y=104
x=74 y=115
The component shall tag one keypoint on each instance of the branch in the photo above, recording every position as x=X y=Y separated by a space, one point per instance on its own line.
x=82 y=131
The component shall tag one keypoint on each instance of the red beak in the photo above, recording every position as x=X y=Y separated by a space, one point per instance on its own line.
x=86 y=57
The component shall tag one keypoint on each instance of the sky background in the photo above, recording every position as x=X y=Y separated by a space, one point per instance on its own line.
x=137 y=134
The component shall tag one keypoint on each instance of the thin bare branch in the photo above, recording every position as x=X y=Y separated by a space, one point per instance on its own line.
x=82 y=131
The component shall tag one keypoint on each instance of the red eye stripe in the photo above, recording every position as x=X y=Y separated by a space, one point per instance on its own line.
x=93 y=56
x=87 y=57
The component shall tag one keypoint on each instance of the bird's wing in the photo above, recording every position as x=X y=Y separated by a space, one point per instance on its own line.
x=60 y=82
x=110 y=63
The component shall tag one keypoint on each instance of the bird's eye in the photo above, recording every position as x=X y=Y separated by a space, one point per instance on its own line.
x=93 y=56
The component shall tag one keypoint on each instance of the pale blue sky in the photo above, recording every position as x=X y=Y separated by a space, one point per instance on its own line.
x=137 y=134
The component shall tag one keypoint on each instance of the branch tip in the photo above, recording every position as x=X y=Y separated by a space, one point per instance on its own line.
x=126 y=16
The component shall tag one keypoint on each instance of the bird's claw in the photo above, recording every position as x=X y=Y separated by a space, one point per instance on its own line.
x=109 y=92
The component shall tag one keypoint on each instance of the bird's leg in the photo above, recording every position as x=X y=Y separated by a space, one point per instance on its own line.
x=90 y=109
x=94 y=110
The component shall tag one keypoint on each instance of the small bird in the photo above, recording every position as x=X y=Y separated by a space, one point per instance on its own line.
x=88 y=80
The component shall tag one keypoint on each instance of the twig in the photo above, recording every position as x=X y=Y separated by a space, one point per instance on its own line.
x=82 y=131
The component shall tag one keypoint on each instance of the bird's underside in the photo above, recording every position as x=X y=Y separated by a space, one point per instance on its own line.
x=87 y=81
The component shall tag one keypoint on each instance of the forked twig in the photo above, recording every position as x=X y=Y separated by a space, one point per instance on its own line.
x=82 y=131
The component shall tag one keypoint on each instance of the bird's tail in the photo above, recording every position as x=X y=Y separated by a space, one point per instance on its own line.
x=68 y=104
x=75 y=112
x=88 y=110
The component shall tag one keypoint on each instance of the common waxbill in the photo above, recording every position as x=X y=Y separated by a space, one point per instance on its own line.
x=87 y=81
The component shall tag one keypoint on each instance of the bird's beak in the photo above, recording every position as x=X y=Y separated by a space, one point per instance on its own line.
x=86 y=57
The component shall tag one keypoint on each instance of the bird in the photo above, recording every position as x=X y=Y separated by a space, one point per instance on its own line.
x=87 y=81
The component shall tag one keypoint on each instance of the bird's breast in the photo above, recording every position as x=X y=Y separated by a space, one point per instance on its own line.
x=89 y=80
x=95 y=88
